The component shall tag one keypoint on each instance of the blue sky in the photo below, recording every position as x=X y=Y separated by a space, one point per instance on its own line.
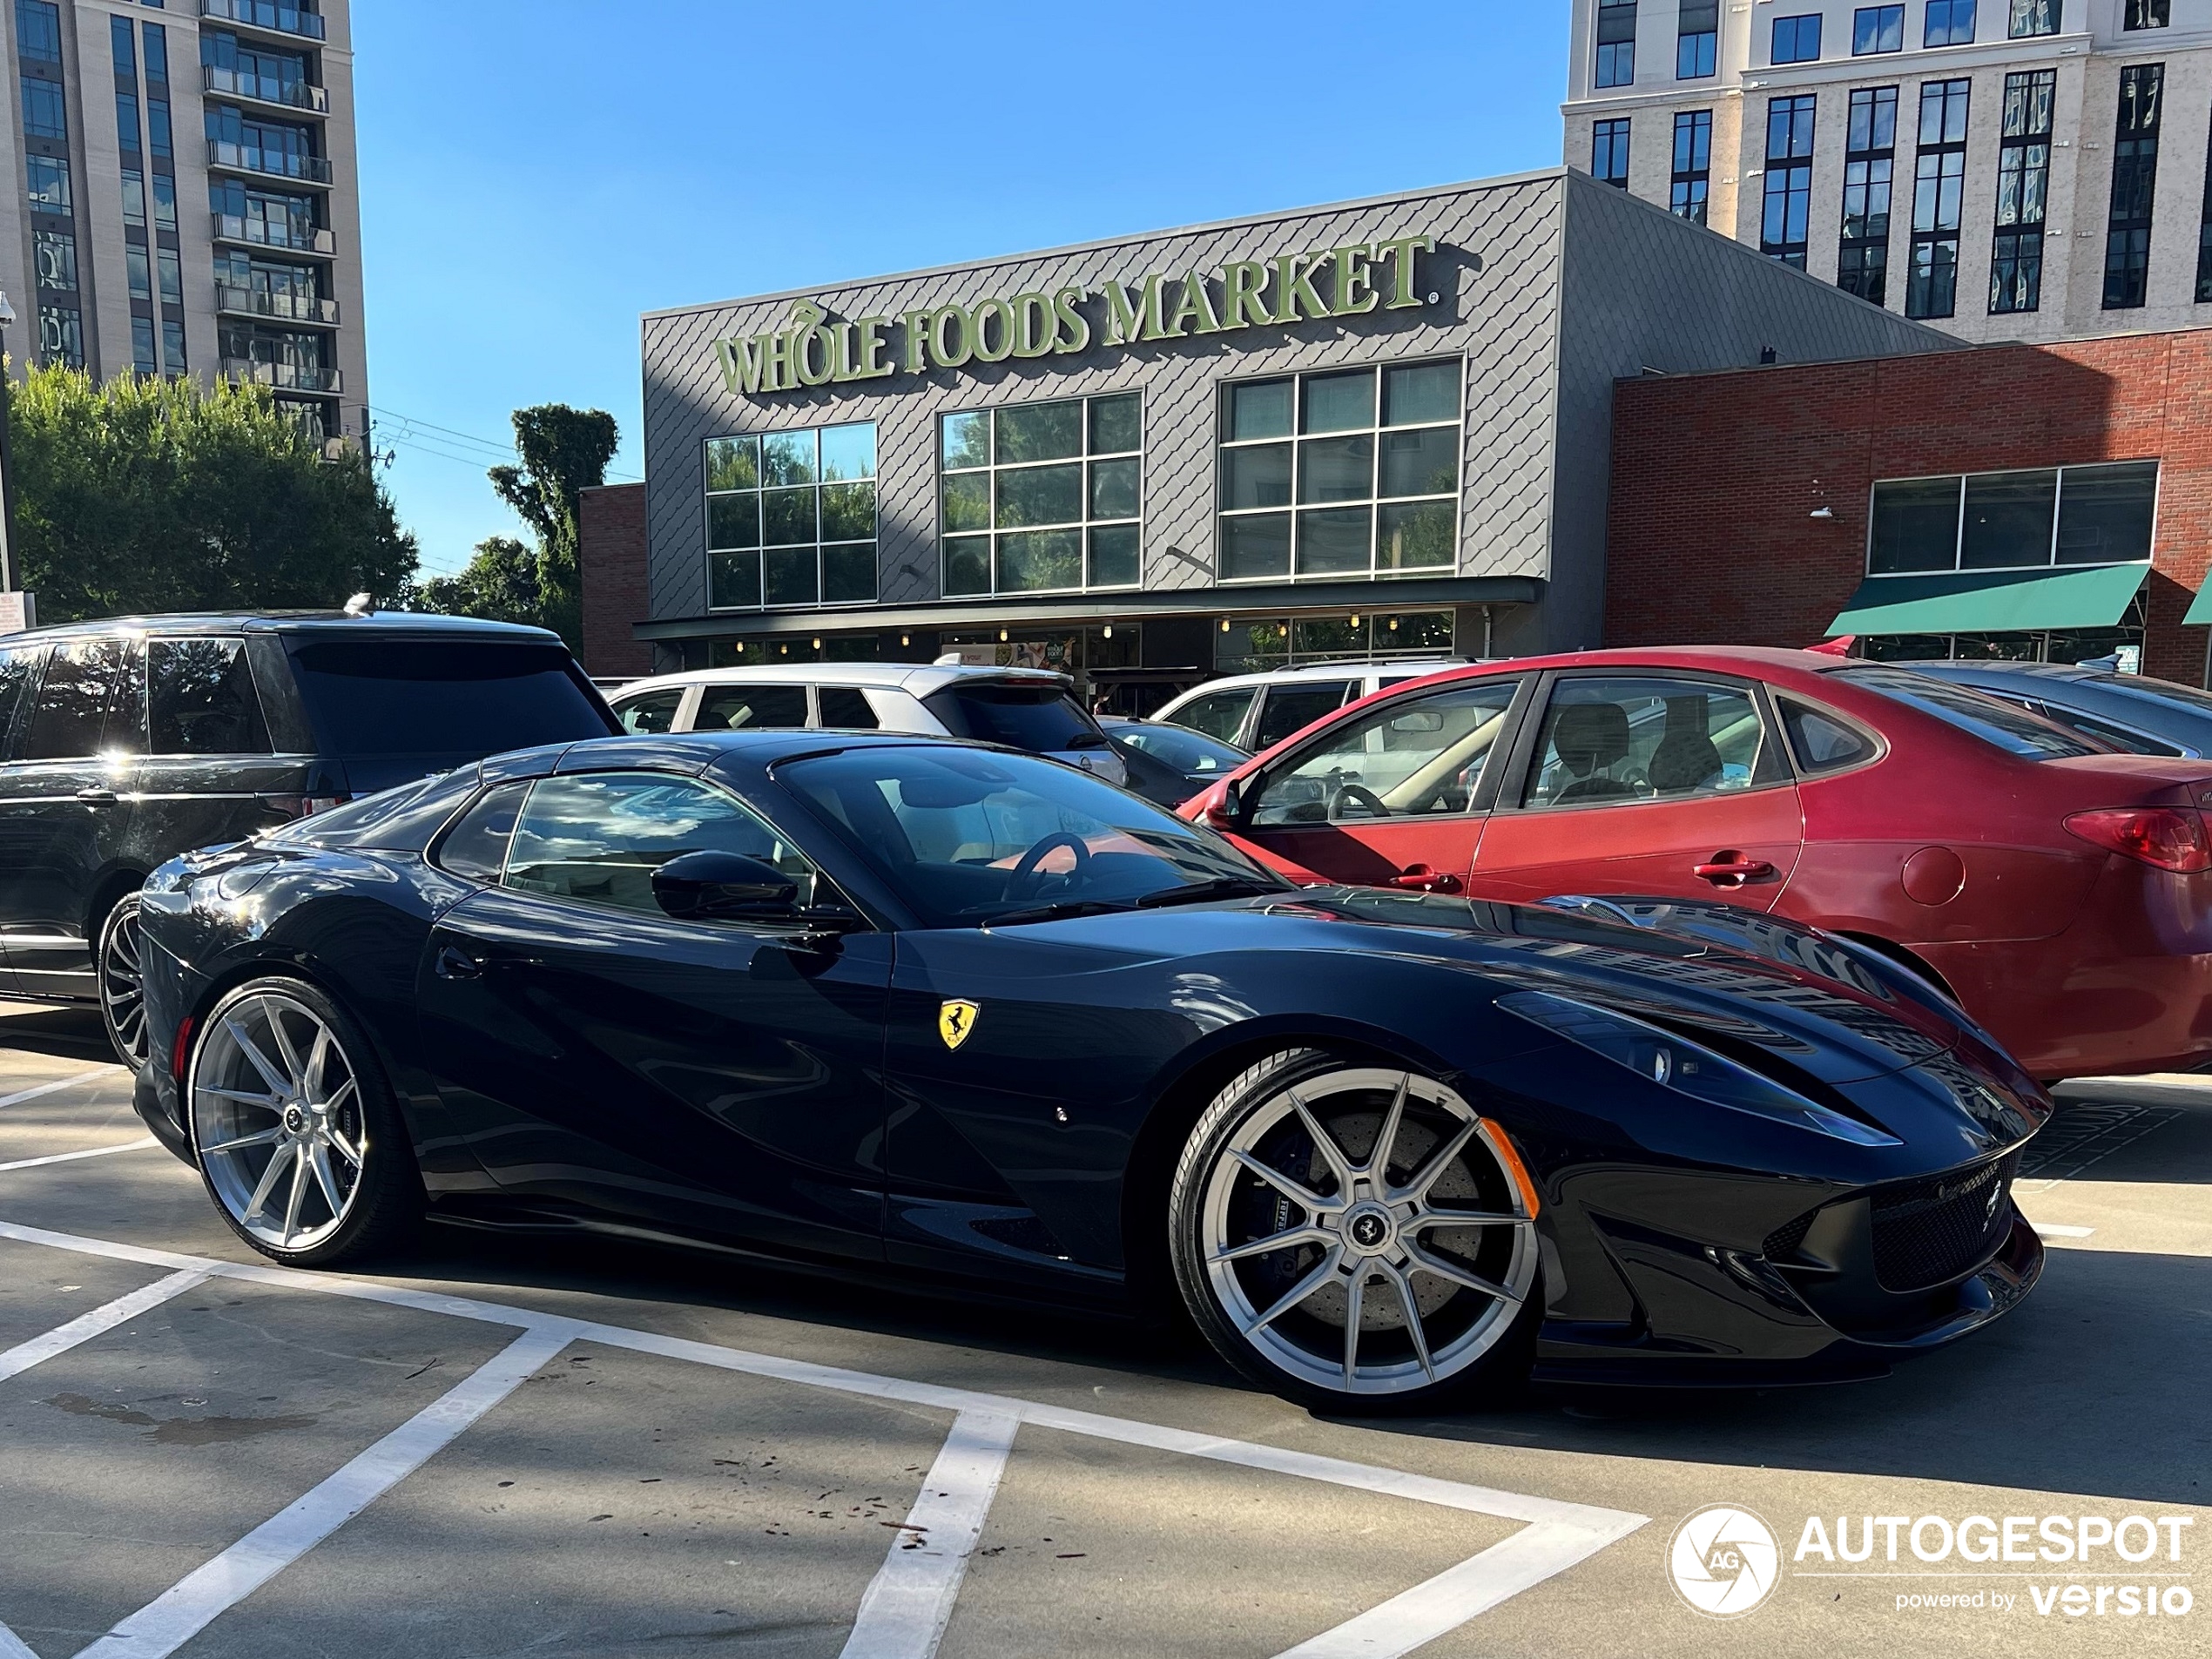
x=535 y=173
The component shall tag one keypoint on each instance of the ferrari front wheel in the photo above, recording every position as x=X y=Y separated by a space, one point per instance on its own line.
x=296 y=1134
x=1356 y=1236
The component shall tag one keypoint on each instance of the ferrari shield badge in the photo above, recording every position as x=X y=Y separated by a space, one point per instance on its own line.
x=956 y=1020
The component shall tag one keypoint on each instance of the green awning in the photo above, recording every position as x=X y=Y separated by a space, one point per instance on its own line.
x=2199 y=610
x=1992 y=601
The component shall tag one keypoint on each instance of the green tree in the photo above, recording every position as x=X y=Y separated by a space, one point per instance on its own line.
x=146 y=494
x=562 y=452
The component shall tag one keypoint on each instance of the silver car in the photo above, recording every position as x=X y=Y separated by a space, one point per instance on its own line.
x=1024 y=708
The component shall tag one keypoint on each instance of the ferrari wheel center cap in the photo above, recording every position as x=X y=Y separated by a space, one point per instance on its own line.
x=1370 y=1228
x=294 y=1119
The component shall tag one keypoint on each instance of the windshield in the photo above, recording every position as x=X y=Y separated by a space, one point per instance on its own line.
x=1192 y=753
x=448 y=697
x=969 y=838
x=1038 y=716
x=2013 y=729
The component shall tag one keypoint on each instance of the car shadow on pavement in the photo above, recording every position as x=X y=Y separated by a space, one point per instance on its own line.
x=64 y=1033
x=2095 y=1385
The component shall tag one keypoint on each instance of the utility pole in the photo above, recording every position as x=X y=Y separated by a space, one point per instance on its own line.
x=7 y=476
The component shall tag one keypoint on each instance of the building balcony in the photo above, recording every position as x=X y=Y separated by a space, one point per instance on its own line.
x=268 y=164
x=284 y=377
x=282 y=308
x=277 y=18
x=262 y=232
x=263 y=89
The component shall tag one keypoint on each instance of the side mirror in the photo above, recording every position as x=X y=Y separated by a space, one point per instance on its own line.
x=1227 y=810
x=725 y=886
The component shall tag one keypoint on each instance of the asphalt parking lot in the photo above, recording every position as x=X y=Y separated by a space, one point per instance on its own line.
x=508 y=1446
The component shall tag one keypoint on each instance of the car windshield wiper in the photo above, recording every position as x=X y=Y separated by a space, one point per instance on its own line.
x=1227 y=886
x=1058 y=911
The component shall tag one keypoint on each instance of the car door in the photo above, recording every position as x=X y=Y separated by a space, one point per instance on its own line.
x=1646 y=783
x=1396 y=796
x=66 y=808
x=18 y=676
x=706 y=1076
x=1291 y=705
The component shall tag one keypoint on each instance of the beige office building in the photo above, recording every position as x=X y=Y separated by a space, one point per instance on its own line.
x=186 y=199
x=2004 y=168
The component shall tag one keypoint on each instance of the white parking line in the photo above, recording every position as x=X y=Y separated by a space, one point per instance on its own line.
x=2052 y=1229
x=139 y=1145
x=910 y=1600
x=180 y=1613
x=13 y=1646
x=1559 y=1535
x=22 y=1096
x=98 y=1322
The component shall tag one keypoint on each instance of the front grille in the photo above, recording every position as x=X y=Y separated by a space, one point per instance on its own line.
x=1781 y=1244
x=1931 y=1231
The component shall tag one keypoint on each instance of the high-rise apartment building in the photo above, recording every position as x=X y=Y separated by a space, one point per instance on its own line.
x=2004 y=168
x=185 y=196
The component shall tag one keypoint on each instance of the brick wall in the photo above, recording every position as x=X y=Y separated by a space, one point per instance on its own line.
x=1710 y=538
x=611 y=526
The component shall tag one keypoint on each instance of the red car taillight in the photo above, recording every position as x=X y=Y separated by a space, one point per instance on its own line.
x=2167 y=838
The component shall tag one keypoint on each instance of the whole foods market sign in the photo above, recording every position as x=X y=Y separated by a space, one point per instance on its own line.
x=814 y=349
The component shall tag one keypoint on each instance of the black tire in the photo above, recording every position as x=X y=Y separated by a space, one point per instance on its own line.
x=1429 y=1340
x=118 y=967
x=356 y=1123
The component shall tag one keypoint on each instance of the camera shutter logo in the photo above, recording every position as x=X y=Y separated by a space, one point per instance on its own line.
x=1723 y=1561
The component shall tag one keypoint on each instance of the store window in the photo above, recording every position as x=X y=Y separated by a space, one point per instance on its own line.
x=2007 y=521
x=1351 y=473
x=1042 y=498
x=1248 y=645
x=791 y=517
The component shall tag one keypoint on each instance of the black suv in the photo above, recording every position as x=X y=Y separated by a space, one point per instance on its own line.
x=126 y=742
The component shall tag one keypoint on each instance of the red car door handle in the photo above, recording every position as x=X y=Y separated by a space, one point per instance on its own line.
x=1733 y=868
x=1419 y=877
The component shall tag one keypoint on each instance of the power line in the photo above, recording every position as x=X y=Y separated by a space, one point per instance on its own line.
x=413 y=429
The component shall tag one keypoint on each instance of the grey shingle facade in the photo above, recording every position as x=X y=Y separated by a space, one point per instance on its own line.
x=1548 y=285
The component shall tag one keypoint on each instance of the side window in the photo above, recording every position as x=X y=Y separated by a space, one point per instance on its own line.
x=654 y=712
x=845 y=708
x=82 y=679
x=1219 y=714
x=201 y=700
x=1643 y=739
x=598 y=837
x=725 y=708
x=1823 y=742
x=476 y=846
x=1293 y=708
x=1420 y=757
x=18 y=672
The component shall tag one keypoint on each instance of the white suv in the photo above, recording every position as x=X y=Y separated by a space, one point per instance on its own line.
x=1256 y=711
x=1022 y=708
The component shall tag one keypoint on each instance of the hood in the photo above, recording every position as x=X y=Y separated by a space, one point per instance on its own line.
x=1730 y=980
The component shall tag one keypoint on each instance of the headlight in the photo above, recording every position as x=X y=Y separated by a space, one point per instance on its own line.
x=1660 y=1057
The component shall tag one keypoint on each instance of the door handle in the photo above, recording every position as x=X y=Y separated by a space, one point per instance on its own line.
x=1419 y=878
x=454 y=964
x=98 y=795
x=1733 y=866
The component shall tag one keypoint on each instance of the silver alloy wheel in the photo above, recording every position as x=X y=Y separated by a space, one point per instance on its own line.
x=276 y=1115
x=1363 y=1229
x=123 y=984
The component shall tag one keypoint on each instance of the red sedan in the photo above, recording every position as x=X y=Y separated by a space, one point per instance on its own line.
x=2062 y=893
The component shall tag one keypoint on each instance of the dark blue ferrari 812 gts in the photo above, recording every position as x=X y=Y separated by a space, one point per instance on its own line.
x=945 y=1013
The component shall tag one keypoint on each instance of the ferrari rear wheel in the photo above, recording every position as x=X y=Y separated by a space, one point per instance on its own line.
x=297 y=1135
x=1353 y=1236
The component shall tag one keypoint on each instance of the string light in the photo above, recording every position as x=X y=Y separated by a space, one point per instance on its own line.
x=1109 y=630
x=1224 y=624
x=1355 y=619
x=1001 y=636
